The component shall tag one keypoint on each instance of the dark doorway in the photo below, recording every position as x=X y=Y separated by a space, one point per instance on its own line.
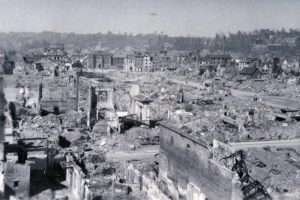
x=56 y=71
x=56 y=110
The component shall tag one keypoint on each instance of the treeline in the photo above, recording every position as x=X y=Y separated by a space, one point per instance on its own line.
x=244 y=41
x=235 y=42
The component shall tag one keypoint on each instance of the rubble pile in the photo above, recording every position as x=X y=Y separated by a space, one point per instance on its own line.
x=203 y=109
x=271 y=87
x=147 y=167
x=58 y=88
x=204 y=122
x=50 y=125
x=277 y=168
x=135 y=138
x=73 y=119
x=122 y=94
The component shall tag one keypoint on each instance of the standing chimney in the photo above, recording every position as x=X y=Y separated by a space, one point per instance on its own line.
x=40 y=96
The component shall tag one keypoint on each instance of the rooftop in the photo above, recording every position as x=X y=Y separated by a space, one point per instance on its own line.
x=249 y=70
x=119 y=55
x=218 y=56
x=142 y=98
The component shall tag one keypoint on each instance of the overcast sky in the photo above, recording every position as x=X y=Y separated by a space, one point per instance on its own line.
x=173 y=17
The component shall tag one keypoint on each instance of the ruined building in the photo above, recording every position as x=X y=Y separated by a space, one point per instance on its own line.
x=96 y=97
x=15 y=171
x=99 y=60
x=141 y=107
x=56 y=52
x=187 y=167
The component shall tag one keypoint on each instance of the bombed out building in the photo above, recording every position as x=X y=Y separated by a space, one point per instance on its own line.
x=149 y=116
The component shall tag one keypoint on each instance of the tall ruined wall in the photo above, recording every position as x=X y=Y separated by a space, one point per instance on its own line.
x=75 y=178
x=2 y=185
x=184 y=160
x=2 y=110
x=83 y=93
x=105 y=98
x=144 y=183
x=2 y=122
x=16 y=88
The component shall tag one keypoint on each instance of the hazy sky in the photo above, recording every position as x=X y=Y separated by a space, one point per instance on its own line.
x=173 y=17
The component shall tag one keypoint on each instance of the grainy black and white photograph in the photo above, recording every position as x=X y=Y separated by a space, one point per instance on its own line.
x=149 y=100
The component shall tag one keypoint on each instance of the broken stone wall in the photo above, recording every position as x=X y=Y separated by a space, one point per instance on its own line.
x=105 y=98
x=59 y=106
x=194 y=192
x=2 y=110
x=145 y=183
x=17 y=179
x=83 y=95
x=1 y=171
x=103 y=90
x=92 y=105
x=18 y=88
x=184 y=160
x=25 y=89
x=221 y=150
x=142 y=111
x=2 y=123
x=152 y=189
x=77 y=183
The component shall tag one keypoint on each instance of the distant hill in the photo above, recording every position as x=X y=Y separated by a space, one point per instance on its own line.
x=241 y=42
